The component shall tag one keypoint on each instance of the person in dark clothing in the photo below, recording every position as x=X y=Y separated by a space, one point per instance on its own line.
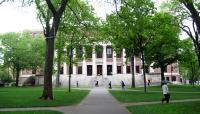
x=123 y=85
x=110 y=86
x=149 y=82
x=97 y=84
x=76 y=83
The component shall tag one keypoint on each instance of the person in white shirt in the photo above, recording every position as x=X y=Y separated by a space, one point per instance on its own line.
x=166 y=93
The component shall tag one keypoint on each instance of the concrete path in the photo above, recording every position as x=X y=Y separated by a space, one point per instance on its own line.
x=100 y=101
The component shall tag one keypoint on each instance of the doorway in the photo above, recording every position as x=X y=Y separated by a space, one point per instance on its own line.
x=99 y=70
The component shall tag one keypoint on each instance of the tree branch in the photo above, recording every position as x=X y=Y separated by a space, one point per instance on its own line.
x=76 y=16
x=62 y=7
x=2 y=2
x=51 y=7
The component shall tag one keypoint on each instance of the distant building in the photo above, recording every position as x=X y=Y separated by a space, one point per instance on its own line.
x=105 y=66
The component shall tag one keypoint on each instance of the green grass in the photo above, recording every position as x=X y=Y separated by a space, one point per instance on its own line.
x=138 y=96
x=175 y=108
x=172 y=88
x=29 y=97
x=32 y=112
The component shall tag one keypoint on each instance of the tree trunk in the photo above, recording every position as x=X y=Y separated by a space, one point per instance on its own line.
x=162 y=70
x=50 y=34
x=17 y=77
x=133 y=69
x=196 y=18
x=70 y=64
x=192 y=73
x=58 y=69
x=47 y=92
x=143 y=68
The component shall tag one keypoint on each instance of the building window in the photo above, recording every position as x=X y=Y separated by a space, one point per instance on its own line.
x=88 y=51
x=70 y=52
x=99 y=70
x=119 y=69
x=165 y=69
x=109 y=69
x=79 y=69
x=173 y=78
x=61 y=70
x=34 y=71
x=137 y=69
x=79 y=52
x=128 y=69
x=109 y=52
x=99 y=51
x=119 y=54
x=167 y=78
x=89 y=70
x=146 y=69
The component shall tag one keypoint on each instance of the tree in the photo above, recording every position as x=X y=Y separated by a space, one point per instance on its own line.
x=134 y=21
x=18 y=52
x=163 y=50
x=188 y=62
x=188 y=10
x=37 y=51
x=54 y=12
x=79 y=26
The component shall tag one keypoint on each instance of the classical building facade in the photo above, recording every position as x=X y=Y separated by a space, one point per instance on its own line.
x=106 y=65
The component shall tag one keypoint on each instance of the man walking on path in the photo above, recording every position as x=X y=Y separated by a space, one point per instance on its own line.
x=165 y=92
x=123 y=85
x=110 y=86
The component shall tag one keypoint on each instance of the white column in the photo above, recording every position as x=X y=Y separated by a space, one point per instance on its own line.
x=141 y=68
x=74 y=66
x=124 y=61
x=64 y=68
x=94 y=67
x=114 y=63
x=104 y=61
x=84 y=67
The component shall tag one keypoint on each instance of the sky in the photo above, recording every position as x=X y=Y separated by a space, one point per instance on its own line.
x=17 y=19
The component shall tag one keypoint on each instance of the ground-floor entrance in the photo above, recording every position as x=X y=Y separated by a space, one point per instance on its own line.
x=99 y=70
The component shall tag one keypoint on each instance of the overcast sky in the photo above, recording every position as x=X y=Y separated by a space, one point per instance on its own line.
x=17 y=19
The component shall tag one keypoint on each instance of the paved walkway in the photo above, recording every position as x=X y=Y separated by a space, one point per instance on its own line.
x=99 y=101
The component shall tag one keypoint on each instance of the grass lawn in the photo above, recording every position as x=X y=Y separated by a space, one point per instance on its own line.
x=173 y=88
x=139 y=96
x=29 y=97
x=32 y=112
x=171 y=108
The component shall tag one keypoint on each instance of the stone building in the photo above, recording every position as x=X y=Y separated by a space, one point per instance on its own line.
x=105 y=66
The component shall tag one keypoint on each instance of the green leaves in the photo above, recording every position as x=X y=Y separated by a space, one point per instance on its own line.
x=163 y=49
x=188 y=62
x=22 y=50
x=131 y=27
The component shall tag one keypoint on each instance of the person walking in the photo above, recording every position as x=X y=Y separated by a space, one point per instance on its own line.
x=97 y=84
x=123 y=85
x=76 y=83
x=110 y=86
x=149 y=82
x=166 y=93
